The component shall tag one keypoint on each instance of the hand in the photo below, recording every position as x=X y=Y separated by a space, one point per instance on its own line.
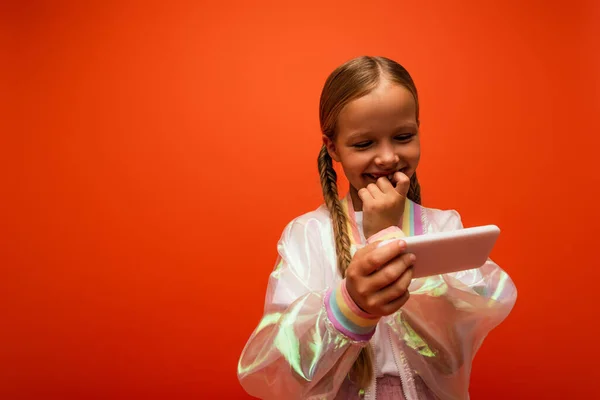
x=377 y=279
x=383 y=204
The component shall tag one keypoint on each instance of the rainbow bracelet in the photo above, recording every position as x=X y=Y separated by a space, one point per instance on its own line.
x=347 y=317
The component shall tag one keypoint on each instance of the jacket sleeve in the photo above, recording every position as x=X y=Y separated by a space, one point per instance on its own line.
x=300 y=349
x=448 y=316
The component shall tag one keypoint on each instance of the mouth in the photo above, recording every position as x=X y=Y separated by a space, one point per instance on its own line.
x=389 y=176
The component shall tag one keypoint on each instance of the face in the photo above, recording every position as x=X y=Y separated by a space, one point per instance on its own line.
x=377 y=135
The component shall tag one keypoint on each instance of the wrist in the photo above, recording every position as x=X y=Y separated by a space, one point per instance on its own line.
x=347 y=316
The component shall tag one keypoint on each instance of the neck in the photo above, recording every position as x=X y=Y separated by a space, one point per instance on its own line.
x=356 y=201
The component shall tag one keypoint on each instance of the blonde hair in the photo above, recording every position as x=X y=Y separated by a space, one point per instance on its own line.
x=350 y=81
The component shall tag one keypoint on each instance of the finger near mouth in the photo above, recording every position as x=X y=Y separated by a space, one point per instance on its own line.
x=371 y=177
x=392 y=176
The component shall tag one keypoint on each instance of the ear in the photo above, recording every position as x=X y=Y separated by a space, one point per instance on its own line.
x=331 y=149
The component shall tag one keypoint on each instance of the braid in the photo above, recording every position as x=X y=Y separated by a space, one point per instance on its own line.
x=338 y=217
x=414 y=191
x=362 y=369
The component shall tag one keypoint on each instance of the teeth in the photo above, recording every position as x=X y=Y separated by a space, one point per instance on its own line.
x=390 y=176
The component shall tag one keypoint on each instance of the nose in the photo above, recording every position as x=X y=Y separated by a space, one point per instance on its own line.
x=386 y=157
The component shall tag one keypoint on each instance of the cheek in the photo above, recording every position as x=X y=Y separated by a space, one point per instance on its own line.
x=417 y=156
x=412 y=153
x=354 y=166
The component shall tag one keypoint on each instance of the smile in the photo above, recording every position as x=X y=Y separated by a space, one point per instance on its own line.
x=379 y=176
x=389 y=176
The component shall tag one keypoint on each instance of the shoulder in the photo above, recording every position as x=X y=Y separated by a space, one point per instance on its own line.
x=438 y=220
x=308 y=249
x=316 y=220
x=310 y=231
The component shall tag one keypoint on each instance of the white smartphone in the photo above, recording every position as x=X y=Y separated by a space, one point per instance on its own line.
x=446 y=252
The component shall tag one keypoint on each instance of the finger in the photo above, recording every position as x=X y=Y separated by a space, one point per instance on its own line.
x=371 y=246
x=378 y=256
x=402 y=183
x=374 y=190
x=391 y=272
x=395 y=304
x=396 y=289
x=384 y=184
x=365 y=195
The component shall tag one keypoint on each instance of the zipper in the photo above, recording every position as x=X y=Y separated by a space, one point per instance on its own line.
x=374 y=375
x=405 y=375
x=372 y=389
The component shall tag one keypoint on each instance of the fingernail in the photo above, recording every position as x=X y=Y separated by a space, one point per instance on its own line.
x=402 y=244
x=412 y=258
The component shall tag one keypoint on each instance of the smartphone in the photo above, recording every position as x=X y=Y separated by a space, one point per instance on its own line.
x=453 y=251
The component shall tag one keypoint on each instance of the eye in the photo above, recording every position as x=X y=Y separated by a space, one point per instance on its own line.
x=404 y=137
x=362 y=145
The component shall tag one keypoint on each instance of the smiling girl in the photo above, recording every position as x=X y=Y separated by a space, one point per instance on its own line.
x=343 y=318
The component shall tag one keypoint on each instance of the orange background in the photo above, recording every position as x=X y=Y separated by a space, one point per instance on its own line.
x=153 y=155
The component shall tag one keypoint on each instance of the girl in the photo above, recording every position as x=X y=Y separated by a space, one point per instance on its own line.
x=343 y=317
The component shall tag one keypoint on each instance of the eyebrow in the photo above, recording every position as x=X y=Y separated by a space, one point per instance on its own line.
x=408 y=125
